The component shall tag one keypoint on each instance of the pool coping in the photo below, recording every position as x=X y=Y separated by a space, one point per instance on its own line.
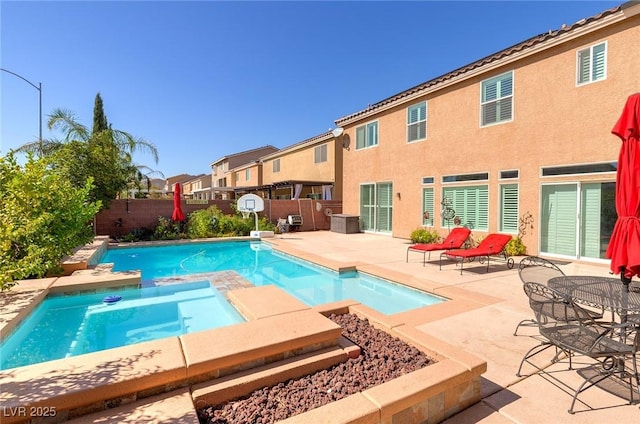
x=451 y=393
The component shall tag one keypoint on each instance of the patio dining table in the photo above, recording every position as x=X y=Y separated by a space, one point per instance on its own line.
x=600 y=292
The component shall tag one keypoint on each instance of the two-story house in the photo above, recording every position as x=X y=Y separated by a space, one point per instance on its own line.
x=311 y=168
x=198 y=188
x=223 y=170
x=517 y=142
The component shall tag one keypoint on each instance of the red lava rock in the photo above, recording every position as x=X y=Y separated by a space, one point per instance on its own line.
x=382 y=358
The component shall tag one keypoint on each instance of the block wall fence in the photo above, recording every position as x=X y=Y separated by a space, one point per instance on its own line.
x=123 y=216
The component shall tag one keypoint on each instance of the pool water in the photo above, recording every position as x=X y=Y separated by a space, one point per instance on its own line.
x=63 y=326
x=69 y=325
x=260 y=265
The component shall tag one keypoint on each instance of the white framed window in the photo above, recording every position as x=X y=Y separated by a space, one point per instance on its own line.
x=496 y=103
x=367 y=135
x=428 y=206
x=417 y=122
x=276 y=165
x=320 y=154
x=247 y=174
x=591 y=64
x=470 y=205
x=509 y=200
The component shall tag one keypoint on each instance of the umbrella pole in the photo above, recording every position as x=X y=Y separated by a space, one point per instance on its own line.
x=625 y=295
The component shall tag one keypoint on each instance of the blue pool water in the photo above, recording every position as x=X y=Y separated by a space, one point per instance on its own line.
x=63 y=326
x=259 y=264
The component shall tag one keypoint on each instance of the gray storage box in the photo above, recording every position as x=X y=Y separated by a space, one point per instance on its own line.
x=345 y=224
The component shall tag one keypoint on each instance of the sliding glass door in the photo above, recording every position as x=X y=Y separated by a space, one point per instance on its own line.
x=577 y=219
x=376 y=207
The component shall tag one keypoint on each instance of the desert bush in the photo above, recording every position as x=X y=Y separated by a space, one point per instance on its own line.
x=422 y=235
x=515 y=247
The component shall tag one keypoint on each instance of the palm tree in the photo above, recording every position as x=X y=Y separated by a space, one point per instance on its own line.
x=105 y=154
x=66 y=122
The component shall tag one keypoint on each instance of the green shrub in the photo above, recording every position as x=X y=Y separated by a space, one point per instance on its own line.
x=211 y=222
x=166 y=230
x=137 y=234
x=515 y=247
x=422 y=235
x=203 y=223
x=43 y=217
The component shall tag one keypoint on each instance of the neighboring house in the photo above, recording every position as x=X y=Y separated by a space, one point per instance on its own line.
x=172 y=181
x=309 y=169
x=517 y=141
x=198 y=188
x=246 y=176
x=222 y=181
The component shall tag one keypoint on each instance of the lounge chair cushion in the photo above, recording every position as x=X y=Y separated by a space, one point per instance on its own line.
x=493 y=244
x=454 y=240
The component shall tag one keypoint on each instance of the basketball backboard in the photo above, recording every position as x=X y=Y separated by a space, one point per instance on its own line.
x=251 y=202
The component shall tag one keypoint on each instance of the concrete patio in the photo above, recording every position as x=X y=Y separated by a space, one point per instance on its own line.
x=483 y=330
x=480 y=319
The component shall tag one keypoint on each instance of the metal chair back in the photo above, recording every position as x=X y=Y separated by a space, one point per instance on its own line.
x=534 y=269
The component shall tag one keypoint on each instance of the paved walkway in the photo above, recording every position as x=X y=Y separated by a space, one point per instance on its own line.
x=486 y=331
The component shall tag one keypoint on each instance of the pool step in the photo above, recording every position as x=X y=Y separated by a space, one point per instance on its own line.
x=227 y=388
x=96 y=381
x=171 y=407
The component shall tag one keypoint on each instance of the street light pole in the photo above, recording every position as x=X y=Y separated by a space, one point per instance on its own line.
x=39 y=88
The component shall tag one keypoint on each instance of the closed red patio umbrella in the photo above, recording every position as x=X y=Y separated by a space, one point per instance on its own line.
x=177 y=215
x=624 y=245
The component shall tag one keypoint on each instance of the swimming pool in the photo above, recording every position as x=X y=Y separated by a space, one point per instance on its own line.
x=261 y=265
x=70 y=325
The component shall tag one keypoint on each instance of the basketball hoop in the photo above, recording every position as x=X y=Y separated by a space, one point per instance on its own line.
x=250 y=203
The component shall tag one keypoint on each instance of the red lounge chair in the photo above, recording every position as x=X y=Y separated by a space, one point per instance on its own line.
x=454 y=240
x=492 y=245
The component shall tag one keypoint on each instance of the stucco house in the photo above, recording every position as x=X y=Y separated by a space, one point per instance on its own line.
x=517 y=142
x=197 y=188
x=311 y=168
x=223 y=174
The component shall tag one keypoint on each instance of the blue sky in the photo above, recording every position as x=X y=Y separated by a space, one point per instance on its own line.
x=205 y=79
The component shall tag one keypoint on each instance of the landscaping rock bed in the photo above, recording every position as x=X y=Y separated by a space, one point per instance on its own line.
x=382 y=358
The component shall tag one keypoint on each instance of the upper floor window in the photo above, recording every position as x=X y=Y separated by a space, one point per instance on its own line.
x=592 y=64
x=497 y=99
x=247 y=174
x=417 y=122
x=320 y=154
x=276 y=165
x=238 y=176
x=367 y=135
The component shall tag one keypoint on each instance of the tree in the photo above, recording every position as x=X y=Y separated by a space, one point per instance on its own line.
x=99 y=118
x=106 y=152
x=43 y=217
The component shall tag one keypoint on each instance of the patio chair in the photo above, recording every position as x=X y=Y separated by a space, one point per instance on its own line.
x=534 y=269
x=492 y=245
x=454 y=240
x=559 y=327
